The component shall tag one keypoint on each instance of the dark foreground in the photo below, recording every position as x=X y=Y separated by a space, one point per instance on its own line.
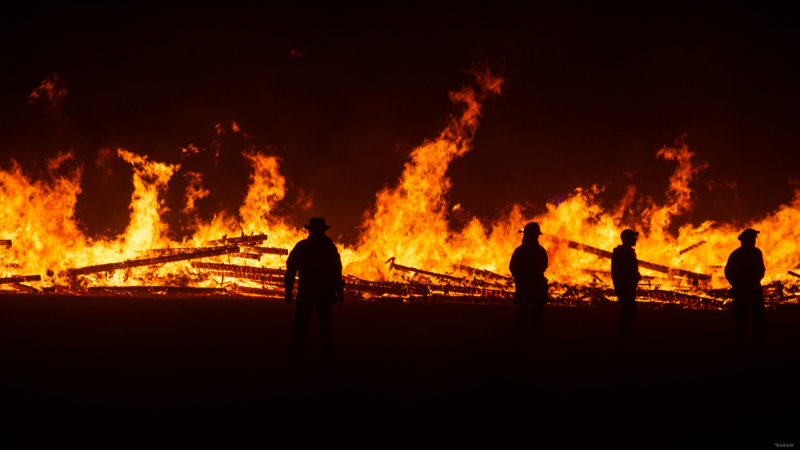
x=165 y=372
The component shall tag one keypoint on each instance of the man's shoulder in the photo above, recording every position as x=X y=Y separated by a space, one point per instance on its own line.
x=622 y=251
x=300 y=245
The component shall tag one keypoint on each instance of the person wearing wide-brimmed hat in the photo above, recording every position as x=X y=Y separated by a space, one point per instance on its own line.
x=316 y=261
x=625 y=276
x=744 y=272
x=528 y=264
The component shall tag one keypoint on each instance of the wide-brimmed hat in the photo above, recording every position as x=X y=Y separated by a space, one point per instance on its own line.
x=749 y=233
x=531 y=228
x=316 y=224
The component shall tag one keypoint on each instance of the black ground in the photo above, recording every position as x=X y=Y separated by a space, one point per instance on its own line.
x=162 y=371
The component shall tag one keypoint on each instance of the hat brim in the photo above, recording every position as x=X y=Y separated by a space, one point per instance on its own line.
x=316 y=227
x=539 y=233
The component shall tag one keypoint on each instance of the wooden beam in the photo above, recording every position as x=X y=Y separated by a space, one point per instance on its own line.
x=643 y=264
x=218 y=251
x=691 y=247
x=20 y=279
x=395 y=266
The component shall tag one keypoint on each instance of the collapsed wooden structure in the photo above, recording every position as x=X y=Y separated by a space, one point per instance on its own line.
x=463 y=284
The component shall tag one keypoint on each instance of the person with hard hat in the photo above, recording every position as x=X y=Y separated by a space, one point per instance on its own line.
x=528 y=264
x=625 y=275
x=744 y=272
x=316 y=260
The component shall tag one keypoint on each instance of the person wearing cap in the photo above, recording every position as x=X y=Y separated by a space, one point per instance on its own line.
x=528 y=264
x=744 y=272
x=625 y=276
x=316 y=260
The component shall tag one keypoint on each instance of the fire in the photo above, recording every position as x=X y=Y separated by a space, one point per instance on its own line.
x=405 y=237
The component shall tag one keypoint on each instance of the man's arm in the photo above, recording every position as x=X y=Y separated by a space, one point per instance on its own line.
x=290 y=275
x=543 y=261
x=730 y=271
x=761 y=268
x=340 y=279
x=513 y=265
x=636 y=267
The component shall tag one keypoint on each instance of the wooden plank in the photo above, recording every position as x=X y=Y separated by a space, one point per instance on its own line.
x=691 y=247
x=268 y=250
x=234 y=268
x=255 y=239
x=642 y=264
x=395 y=266
x=218 y=251
x=484 y=274
x=20 y=279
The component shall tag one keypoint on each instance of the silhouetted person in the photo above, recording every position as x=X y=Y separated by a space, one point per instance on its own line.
x=625 y=274
x=528 y=264
x=319 y=266
x=744 y=272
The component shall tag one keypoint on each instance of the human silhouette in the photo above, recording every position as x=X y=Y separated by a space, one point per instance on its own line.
x=625 y=275
x=744 y=272
x=316 y=260
x=528 y=263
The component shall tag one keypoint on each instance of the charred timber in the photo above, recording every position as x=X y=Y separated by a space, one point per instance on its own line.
x=484 y=274
x=258 y=238
x=608 y=273
x=256 y=274
x=395 y=266
x=20 y=279
x=24 y=288
x=794 y=274
x=185 y=250
x=244 y=255
x=219 y=251
x=238 y=269
x=643 y=264
x=691 y=247
x=178 y=250
x=271 y=293
x=268 y=250
x=162 y=290
x=5 y=243
x=449 y=289
x=383 y=288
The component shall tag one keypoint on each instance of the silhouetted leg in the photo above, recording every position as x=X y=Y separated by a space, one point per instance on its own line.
x=300 y=332
x=537 y=319
x=628 y=312
x=523 y=310
x=759 y=317
x=325 y=319
x=740 y=307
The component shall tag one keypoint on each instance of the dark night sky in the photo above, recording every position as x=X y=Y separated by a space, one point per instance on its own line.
x=592 y=92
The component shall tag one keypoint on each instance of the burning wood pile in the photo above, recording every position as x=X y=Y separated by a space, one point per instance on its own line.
x=409 y=248
x=677 y=289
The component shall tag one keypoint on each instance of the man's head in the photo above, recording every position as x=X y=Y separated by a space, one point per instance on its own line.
x=316 y=225
x=531 y=231
x=748 y=237
x=629 y=237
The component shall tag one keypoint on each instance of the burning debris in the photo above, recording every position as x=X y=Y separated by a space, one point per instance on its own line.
x=152 y=261
x=407 y=250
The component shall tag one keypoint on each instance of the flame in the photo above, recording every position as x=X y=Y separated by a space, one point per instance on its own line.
x=410 y=221
x=194 y=191
x=51 y=93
